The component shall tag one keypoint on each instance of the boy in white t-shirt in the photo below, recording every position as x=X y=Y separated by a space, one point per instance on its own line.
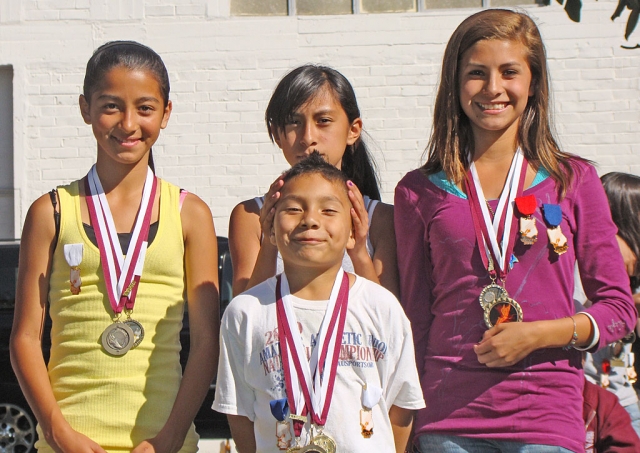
x=284 y=381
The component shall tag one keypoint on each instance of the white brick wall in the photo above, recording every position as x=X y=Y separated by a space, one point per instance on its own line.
x=223 y=70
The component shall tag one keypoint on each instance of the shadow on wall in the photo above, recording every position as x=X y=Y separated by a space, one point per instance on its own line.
x=574 y=7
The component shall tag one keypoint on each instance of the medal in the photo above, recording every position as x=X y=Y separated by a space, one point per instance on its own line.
x=283 y=435
x=553 y=216
x=366 y=423
x=527 y=206
x=121 y=274
x=308 y=385
x=137 y=329
x=320 y=444
x=117 y=338
x=496 y=240
x=73 y=256
x=502 y=310
x=491 y=293
x=280 y=409
x=370 y=398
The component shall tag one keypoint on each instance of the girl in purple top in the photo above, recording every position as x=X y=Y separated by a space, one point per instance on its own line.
x=488 y=231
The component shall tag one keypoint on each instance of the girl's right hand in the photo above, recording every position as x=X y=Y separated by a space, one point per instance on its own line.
x=68 y=440
x=267 y=210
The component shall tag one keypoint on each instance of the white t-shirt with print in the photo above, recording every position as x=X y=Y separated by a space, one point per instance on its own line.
x=377 y=350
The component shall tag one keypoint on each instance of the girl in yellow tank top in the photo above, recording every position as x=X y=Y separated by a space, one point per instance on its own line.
x=116 y=272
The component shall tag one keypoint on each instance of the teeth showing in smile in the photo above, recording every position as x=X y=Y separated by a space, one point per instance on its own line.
x=127 y=142
x=492 y=106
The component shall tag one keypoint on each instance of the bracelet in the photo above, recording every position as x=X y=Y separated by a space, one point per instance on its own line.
x=574 y=336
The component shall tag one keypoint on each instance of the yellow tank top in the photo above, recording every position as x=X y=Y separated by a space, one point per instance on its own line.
x=117 y=401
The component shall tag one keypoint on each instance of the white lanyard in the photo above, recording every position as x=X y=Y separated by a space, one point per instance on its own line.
x=317 y=390
x=507 y=198
x=117 y=265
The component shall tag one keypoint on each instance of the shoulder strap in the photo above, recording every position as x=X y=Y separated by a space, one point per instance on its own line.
x=56 y=215
x=183 y=195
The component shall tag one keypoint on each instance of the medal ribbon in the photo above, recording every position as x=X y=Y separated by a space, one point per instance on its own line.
x=121 y=275
x=488 y=232
x=314 y=393
x=552 y=214
x=526 y=204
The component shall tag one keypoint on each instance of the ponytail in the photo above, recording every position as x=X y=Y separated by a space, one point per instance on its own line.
x=360 y=168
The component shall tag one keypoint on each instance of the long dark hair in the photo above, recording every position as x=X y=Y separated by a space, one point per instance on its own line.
x=452 y=137
x=623 y=192
x=300 y=85
x=131 y=55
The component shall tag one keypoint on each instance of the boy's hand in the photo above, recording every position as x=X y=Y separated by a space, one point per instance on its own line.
x=268 y=207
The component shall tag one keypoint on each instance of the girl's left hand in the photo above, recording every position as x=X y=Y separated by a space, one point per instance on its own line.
x=507 y=344
x=145 y=446
x=154 y=445
x=360 y=218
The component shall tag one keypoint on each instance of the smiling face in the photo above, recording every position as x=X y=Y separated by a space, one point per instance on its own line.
x=126 y=112
x=495 y=86
x=312 y=223
x=320 y=124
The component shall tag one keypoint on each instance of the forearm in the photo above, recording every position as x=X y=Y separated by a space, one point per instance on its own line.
x=558 y=333
x=31 y=371
x=265 y=266
x=242 y=432
x=363 y=265
x=198 y=374
x=401 y=422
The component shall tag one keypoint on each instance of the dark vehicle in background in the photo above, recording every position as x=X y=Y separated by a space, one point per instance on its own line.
x=17 y=423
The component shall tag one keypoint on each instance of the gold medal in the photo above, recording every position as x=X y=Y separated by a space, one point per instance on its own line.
x=491 y=293
x=117 y=338
x=528 y=230
x=557 y=240
x=502 y=310
x=366 y=423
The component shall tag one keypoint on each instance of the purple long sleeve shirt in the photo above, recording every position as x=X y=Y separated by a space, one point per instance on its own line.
x=539 y=399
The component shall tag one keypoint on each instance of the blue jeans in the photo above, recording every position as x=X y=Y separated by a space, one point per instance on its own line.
x=436 y=443
x=634 y=412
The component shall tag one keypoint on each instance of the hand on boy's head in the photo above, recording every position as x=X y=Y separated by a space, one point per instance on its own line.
x=629 y=258
x=267 y=210
x=359 y=216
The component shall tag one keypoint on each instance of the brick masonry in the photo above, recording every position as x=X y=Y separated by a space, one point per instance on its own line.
x=224 y=68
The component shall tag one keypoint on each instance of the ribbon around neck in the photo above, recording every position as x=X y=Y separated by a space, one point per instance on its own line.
x=307 y=386
x=121 y=273
x=489 y=232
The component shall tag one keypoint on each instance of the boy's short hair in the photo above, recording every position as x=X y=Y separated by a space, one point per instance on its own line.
x=316 y=164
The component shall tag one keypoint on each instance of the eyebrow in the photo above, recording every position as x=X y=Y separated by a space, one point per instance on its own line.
x=510 y=63
x=116 y=98
x=319 y=112
x=301 y=198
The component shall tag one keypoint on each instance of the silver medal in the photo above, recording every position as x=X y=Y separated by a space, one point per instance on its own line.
x=117 y=339
x=138 y=331
x=491 y=293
